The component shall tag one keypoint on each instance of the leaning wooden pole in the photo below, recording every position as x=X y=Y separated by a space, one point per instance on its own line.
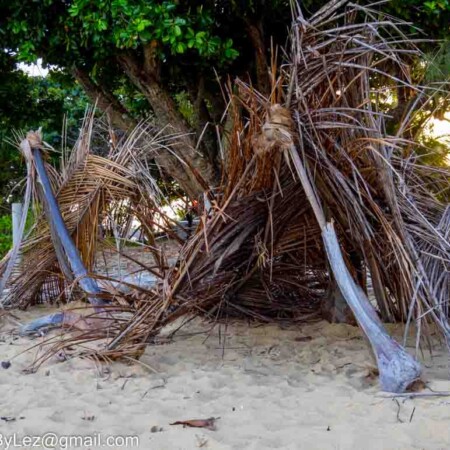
x=398 y=369
x=88 y=284
x=31 y=147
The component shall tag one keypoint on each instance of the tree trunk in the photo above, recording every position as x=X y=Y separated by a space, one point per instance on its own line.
x=256 y=36
x=116 y=112
x=204 y=126
x=187 y=165
x=335 y=308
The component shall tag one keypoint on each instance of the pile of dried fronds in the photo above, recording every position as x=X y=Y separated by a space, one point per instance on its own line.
x=90 y=189
x=259 y=251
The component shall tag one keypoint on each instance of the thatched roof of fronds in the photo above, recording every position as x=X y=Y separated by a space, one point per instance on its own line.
x=258 y=252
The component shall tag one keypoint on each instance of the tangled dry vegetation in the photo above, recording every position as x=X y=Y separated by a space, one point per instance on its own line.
x=315 y=195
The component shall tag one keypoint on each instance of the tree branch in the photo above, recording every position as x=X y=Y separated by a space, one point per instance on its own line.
x=203 y=119
x=152 y=66
x=167 y=114
x=116 y=112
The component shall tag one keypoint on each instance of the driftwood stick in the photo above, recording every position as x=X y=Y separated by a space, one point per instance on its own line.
x=49 y=321
x=64 y=319
x=397 y=368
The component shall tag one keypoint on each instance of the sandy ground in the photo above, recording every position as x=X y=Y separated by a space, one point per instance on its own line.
x=296 y=388
x=109 y=263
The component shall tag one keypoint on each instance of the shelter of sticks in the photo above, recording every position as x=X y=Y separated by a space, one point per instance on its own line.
x=310 y=164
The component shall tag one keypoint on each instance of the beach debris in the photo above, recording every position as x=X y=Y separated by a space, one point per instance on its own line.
x=412 y=414
x=88 y=417
x=210 y=423
x=6 y=364
x=8 y=418
x=399 y=420
x=316 y=199
x=417 y=386
x=303 y=338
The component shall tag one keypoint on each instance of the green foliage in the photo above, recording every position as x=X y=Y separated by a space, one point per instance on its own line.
x=185 y=107
x=430 y=17
x=6 y=230
x=438 y=63
x=5 y=234
x=434 y=152
x=76 y=28
x=29 y=103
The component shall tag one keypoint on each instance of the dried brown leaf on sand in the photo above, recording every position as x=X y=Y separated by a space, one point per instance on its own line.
x=210 y=423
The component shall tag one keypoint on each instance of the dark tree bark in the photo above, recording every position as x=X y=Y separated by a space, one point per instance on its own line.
x=145 y=76
x=335 y=308
x=256 y=35
x=116 y=112
x=204 y=123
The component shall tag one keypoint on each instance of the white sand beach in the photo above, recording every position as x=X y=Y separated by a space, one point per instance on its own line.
x=305 y=387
